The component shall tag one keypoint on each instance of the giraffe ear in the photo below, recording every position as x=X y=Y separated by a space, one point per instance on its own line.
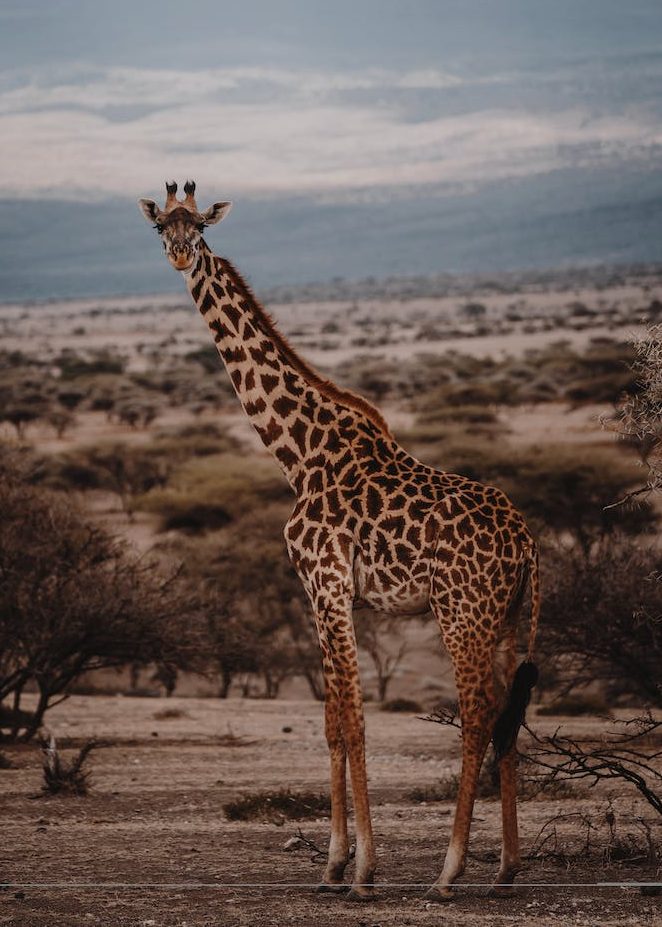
x=216 y=213
x=149 y=210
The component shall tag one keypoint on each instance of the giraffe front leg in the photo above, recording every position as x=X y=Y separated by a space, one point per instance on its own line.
x=339 y=649
x=366 y=860
x=331 y=593
x=339 y=843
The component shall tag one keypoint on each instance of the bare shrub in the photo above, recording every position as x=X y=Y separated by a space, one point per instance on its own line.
x=446 y=788
x=575 y=837
x=600 y=619
x=641 y=416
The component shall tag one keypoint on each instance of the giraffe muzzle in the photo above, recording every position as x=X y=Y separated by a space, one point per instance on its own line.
x=181 y=260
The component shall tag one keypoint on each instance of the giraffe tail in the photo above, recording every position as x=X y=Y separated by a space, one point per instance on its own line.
x=512 y=717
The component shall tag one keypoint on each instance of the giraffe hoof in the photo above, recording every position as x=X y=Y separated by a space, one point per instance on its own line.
x=440 y=895
x=501 y=890
x=331 y=888
x=362 y=894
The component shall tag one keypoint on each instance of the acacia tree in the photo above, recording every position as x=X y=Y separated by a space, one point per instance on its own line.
x=259 y=623
x=372 y=629
x=233 y=646
x=72 y=599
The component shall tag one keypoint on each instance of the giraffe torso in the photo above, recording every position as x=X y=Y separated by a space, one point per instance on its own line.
x=366 y=502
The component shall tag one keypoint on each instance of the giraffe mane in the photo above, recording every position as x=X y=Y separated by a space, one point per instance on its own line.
x=328 y=389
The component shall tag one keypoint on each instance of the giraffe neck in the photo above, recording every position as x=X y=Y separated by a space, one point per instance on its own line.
x=290 y=405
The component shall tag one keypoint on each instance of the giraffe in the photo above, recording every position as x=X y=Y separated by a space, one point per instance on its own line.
x=372 y=525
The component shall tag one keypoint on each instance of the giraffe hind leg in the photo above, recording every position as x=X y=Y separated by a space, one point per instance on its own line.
x=504 y=671
x=476 y=732
x=470 y=628
x=510 y=854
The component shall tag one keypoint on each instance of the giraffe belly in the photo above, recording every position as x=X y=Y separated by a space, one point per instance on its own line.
x=389 y=592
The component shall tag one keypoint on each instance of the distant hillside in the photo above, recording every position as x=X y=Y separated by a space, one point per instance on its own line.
x=442 y=285
x=591 y=220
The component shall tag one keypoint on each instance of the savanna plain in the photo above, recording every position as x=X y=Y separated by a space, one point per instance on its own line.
x=203 y=800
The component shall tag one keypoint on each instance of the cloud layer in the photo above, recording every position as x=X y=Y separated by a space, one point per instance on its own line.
x=88 y=134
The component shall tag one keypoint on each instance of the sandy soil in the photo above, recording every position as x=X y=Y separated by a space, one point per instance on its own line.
x=150 y=845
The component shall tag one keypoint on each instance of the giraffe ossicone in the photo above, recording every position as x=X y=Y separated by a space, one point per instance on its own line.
x=373 y=524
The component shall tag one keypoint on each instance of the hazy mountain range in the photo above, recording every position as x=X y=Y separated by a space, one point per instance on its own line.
x=378 y=137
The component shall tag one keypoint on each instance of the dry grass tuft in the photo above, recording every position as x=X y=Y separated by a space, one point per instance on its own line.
x=278 y=806
x=62 y=778
x=170 y=714
x=402 y=705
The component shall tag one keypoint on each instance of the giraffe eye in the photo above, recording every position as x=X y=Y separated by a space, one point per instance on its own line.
x=201 y=227
x=158 y=227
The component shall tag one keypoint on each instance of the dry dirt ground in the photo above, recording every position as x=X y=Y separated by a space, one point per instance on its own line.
x=150 y=845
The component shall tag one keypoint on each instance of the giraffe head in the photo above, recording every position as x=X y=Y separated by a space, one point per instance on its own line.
x=180 y=224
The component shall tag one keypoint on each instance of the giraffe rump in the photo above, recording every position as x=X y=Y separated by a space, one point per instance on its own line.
x=511 y=718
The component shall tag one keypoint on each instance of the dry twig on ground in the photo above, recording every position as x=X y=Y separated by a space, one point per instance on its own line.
x=618 y=755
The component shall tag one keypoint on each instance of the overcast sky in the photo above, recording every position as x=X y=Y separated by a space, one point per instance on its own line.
x=356 y=137
x=346 y=99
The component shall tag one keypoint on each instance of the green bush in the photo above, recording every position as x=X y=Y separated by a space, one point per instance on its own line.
x=463 y=414
x=73 y=366
x=193 y=517
x=606 y=387
x=217 y=482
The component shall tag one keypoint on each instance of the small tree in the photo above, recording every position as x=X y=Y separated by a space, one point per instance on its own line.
x=233 y=645
x=72 y=600
x=258 y=618
x=372 y=629
x=20 y=416
x=60 y=420
x=473 y=311
x=128 y=471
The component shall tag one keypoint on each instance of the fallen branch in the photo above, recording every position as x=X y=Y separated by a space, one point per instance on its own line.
x=617 y=756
